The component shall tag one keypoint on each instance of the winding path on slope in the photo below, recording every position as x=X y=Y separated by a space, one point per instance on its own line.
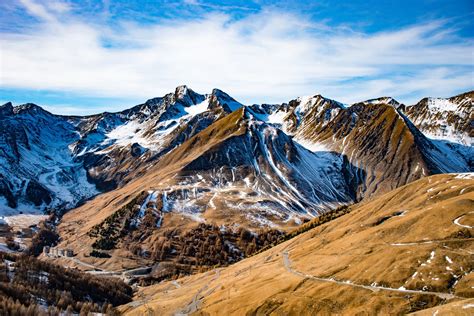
x=425 y=242
x=287 y=264
x=193 y=306
x=374 y=288
x=84 y=264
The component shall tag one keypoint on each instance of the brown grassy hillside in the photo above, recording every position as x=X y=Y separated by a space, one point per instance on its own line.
x=405 y=251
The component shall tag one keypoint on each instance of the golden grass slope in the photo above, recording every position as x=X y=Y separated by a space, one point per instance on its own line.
x=405 y=251
x=457 y=308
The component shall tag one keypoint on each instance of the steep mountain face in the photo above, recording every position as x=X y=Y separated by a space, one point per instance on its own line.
x=52 y=162
x=264 y=166
x=445 y=119
x=114 y=146
x=301 y=115
x=376 y=136
x=37 y=169
x=386 y=100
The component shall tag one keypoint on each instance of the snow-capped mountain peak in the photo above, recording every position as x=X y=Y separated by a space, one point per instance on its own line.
x=384 y=100
x=187 y=96
x=448 y=119
x=219 y=98
x=31 y=109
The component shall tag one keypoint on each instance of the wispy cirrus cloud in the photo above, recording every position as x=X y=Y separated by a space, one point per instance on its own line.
x=37 y=10
x=268 y=56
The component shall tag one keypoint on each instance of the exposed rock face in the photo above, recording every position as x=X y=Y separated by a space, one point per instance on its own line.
x=6 y=192
x=375 y=135
x=136 y=150
x=100 y=151
x=36 y=165
x=157 y=126
x=264 y=157
x=446 y=119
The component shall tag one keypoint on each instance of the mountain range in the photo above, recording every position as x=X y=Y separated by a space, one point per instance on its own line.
x=297 y=158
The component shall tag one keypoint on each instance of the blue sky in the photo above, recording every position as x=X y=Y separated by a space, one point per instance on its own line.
x=82 y=57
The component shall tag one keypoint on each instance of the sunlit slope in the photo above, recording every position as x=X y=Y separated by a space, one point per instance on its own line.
x=457 y=308
x=404 y=251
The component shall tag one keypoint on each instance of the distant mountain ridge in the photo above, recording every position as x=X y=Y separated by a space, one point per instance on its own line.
x=446 y=119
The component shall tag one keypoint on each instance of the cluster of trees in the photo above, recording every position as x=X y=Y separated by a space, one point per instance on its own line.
x=32 y=286
x=320 y=220
x=99 y=254
x=116 y=225
x=10 y=307
x=208 y=245
x=205 y=245
x=45 y=236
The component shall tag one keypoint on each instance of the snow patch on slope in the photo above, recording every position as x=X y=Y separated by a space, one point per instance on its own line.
x=467 y=175
x=276 y=117
x=440 y=104
x=198 y=108
x=311 y=146
x=128 y=134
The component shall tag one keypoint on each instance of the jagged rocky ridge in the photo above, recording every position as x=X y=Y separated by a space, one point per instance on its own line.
x=378 y=138
x=300 y=157
x=52 y=162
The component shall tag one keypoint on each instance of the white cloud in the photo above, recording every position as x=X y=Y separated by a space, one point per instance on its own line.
x=58 y=6
x=191 y=2
x=67 y=109
x=265 y=57
x=37 y=10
